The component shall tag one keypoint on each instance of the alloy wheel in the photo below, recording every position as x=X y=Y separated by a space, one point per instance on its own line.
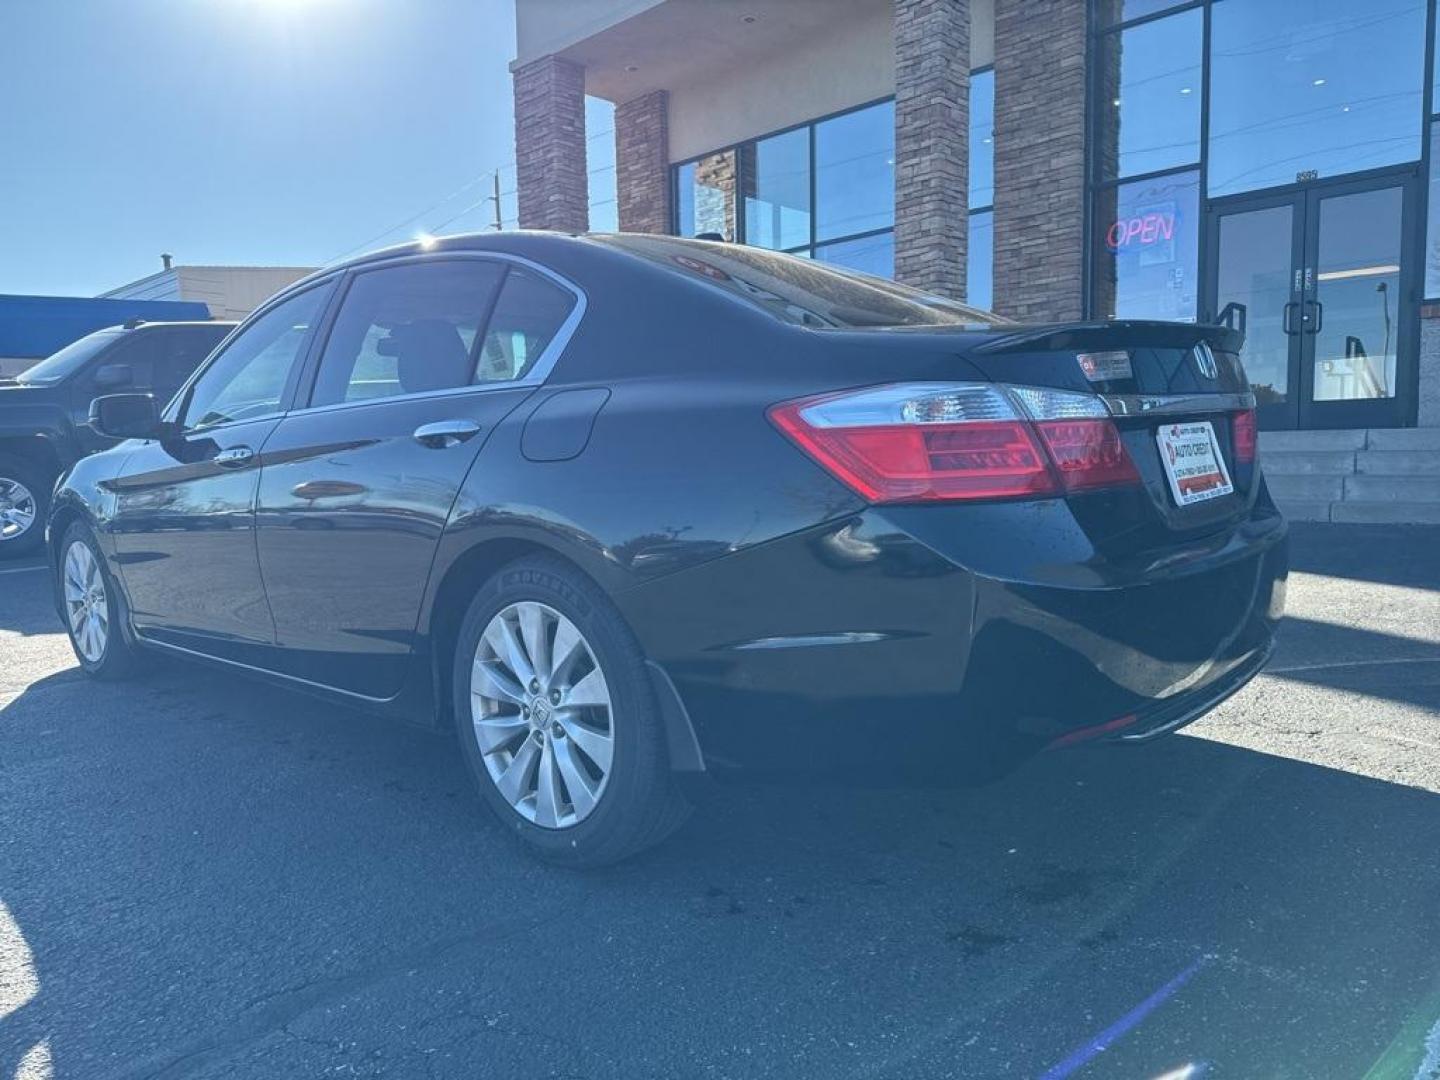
x=85 y=602
x=542 y=715
x=17 y=509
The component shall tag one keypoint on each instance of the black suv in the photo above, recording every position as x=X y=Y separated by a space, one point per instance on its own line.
x=44 y=411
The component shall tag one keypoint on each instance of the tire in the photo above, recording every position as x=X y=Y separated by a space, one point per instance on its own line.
x=592 y=812
x=93 y=612
x=24 y=503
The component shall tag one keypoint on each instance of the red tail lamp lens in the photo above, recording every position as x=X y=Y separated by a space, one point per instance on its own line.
x=922 y=442
x=1243 y=428
x=925 y=462
x=1089 y=453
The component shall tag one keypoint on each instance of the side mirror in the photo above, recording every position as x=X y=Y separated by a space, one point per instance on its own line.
x=126 y=416
x=112 y=376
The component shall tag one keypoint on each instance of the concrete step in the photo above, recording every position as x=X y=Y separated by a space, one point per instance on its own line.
x=1307 y=462
x=1305 y=487
x=1404 y=439
x=1306 y=441
x=1398 y=462
x=1385 y=513
x=1406 y=489
x=1304 y=509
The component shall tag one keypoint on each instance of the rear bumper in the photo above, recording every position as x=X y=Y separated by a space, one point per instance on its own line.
x=940 y=643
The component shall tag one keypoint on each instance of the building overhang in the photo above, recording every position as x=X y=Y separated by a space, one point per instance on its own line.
x=631 y=47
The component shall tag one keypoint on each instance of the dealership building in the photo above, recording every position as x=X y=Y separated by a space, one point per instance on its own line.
x=1260 y=162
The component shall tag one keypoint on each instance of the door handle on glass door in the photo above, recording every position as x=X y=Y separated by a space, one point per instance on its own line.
x=1288 y=324
x=234 y=457
x=445 y=433
x=1314 y=325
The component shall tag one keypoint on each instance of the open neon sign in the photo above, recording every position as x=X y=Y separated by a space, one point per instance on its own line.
x=1141 y=230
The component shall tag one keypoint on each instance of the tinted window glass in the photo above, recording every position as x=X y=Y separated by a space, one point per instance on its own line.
x=527 y=317
x=980 y=261
x=1147 y=248
x=868 y=254
x=407 y=329
x=800 y=291
x=982 y=139
x=1149 y=102
x=776 y=174
x=705 y=196
x=163 y=359
x=1322 y=86
x=855 y=172
x=70 y=359
x=248 y=379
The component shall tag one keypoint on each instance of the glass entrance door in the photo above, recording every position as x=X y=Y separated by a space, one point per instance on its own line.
x=1323 y=281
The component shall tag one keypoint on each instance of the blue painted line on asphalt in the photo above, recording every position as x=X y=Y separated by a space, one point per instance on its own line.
x=1088 y=1052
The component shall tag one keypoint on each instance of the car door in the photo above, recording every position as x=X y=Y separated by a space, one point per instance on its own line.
x=184 y=518
x=425 y=357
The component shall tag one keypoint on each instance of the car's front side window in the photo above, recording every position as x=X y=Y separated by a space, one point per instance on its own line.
x=248 y=379
x=407 y=329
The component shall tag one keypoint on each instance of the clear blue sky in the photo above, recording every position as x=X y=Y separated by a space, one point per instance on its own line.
x=241 y=131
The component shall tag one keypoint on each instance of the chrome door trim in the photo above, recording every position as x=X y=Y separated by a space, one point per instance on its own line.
x=1175 y=404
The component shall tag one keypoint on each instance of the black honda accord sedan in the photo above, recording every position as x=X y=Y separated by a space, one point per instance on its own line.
x=621 y=508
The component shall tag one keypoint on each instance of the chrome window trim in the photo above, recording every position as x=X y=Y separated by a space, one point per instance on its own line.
x=1175 y=404
x=538 y=373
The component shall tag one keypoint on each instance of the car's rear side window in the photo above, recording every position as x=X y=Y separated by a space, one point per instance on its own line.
x=407 y=329
x=528 y=315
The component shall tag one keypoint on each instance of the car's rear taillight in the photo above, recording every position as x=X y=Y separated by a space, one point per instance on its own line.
x=1243 y=428
x=923 y=442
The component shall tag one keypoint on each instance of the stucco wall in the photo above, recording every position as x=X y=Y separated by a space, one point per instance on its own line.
x=852 y=65
x=1430 y=367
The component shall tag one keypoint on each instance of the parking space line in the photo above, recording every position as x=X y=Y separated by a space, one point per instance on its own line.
x=1088 y=1052
x=1295 y=668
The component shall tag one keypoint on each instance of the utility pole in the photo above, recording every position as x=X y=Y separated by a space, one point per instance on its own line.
x=495 y=199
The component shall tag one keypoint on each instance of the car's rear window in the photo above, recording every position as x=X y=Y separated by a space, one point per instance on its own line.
x=799 y=291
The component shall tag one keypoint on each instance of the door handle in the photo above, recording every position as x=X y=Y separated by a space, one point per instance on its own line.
x=444 y=433
x=234 y=457
x=1319 y=320
x=1289 y=321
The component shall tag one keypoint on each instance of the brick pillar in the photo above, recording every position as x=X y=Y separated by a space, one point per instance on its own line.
x=642 y=161
x=932 y=141
x=550 y=178
x=1039 y=158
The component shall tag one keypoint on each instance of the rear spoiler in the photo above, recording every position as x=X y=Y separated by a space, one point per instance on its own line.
x=1115 y=334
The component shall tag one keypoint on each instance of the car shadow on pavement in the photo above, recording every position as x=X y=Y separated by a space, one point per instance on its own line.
x=1407 y=555
x=211 y=877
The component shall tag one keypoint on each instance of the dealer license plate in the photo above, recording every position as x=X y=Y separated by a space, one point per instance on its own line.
x=1193 y=462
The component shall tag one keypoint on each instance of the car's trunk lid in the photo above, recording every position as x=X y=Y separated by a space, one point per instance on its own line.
x=1153 y=376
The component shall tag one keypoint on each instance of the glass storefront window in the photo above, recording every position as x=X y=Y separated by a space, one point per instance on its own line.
x=982 y=139
x=868 y=254
x=1432 y=234
x=775 y=176
x=1320 y=87
x=705 y=196
x=1147 y=245
x=855 y=172
x=1114 y=12
x=1149 y=96
x=980 y=261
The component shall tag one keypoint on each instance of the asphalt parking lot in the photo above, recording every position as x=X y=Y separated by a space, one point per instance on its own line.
x=201 y=876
